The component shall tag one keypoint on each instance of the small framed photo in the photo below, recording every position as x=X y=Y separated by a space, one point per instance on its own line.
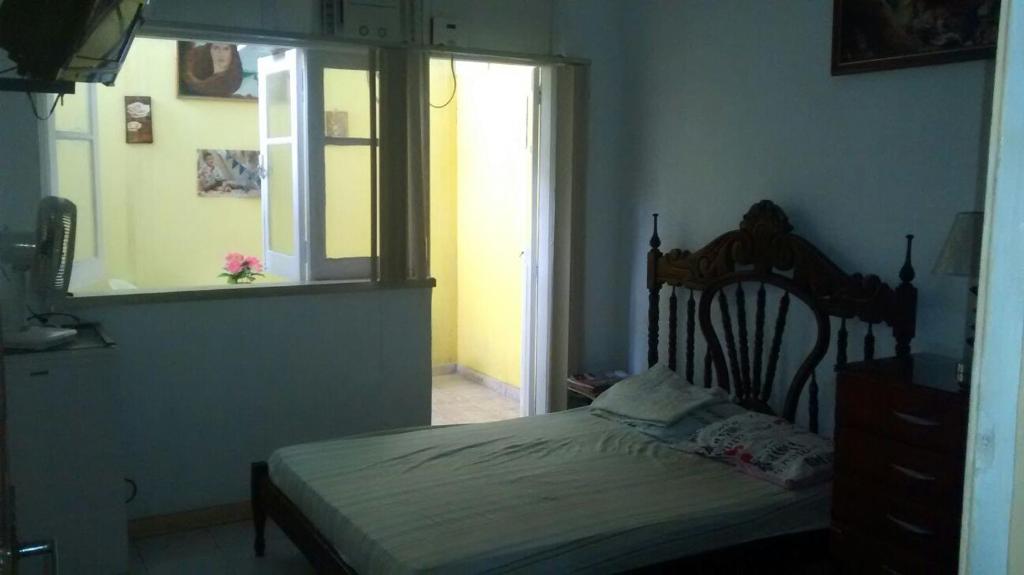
x=138 y=120
x=336 y=124
x=228 y=173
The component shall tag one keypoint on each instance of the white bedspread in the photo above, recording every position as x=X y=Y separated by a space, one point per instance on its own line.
x=558 y=493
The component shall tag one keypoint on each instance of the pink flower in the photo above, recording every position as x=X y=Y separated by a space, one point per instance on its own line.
x=234 y=257
x=254 y=264
x=233 y=266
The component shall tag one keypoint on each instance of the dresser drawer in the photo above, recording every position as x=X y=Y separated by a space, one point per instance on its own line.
x=916 y=417
x=932 y=530
x=909 y=414
x=859 y=553
x=905 y=471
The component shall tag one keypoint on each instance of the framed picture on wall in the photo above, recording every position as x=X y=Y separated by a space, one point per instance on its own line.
x=138 y=120
x=228 y=173
x=869 y=35
x=218 y=70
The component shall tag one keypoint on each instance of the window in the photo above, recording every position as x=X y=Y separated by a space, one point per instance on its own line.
x=74 y=174
x=274 y=155
x=343 y=164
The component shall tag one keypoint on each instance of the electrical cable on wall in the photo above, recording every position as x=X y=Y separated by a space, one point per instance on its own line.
x=56 y=100
x=455 y=87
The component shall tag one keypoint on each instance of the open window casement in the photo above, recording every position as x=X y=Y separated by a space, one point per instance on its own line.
x=343 y=159
x=282 y=155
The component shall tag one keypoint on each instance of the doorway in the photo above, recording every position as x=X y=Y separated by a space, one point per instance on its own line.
x=484 y=132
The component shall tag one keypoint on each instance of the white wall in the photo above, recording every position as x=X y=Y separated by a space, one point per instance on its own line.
x=210 y=386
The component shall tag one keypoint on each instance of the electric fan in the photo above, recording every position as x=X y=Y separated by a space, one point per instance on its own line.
x=44 y=257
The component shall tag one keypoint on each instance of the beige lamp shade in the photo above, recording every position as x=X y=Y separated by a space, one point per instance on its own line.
x=960 y=254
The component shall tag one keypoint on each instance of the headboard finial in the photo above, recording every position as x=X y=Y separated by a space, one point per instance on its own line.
x=907 y=271
x=655 y=240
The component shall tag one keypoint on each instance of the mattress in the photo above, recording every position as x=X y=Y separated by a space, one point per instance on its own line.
x=566 y=492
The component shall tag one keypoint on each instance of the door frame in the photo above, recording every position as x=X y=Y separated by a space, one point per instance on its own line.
x=539 y=261
x=535 y=393
x=993 y=498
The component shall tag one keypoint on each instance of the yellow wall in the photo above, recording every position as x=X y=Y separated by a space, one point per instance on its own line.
x=158 y=233
x=494 y=173
x=443 y=215
x=480 y=215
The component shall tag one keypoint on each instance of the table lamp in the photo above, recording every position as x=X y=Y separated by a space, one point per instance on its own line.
x=960 y=257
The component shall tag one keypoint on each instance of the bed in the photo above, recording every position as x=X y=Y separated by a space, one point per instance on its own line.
x=573 y=492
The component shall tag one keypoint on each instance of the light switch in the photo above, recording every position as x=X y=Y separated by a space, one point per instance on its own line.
x=445 y=32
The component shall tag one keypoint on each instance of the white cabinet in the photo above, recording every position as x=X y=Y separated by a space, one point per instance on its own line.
x=66 y=458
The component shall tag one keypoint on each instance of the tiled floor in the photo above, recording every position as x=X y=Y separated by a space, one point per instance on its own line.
x=221 y=550
x=459 y=400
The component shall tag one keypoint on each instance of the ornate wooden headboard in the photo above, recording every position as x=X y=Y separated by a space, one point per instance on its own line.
x=764 y=251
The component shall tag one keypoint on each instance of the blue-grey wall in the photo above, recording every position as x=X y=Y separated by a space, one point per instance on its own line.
x=731 y=101
x=209 y=386
x=593 y=29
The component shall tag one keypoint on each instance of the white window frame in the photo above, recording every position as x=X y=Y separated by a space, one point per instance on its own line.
x=322 y=267
x=84 y=271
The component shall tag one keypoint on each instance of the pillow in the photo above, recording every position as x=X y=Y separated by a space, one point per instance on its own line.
x=657 y=396
x=767 y=447
x=681 y=431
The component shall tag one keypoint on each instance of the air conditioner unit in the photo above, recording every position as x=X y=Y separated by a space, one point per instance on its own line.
x=376 y=20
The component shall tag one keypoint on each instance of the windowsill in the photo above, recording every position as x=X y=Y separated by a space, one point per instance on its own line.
x=241 y=292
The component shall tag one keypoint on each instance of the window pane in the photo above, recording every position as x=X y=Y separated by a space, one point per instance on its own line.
x=75 y=182
x=346 y=103
x=73 y=114
x=347 y=213
x=279 y=105
x=282 y=194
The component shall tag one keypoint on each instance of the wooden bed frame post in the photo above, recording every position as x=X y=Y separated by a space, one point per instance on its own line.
x=260 y=473
x=904 y=326
x=654 y=287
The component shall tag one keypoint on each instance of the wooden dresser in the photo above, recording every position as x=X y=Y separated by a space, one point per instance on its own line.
x=901 y=428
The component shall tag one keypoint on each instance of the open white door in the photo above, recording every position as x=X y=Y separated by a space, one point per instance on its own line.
x=282 y=154
x=535 y=398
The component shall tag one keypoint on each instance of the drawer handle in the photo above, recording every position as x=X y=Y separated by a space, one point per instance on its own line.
x=915 y=420
x=911 y=473
x=915 y=529
x=39 y=373
x=888 y=569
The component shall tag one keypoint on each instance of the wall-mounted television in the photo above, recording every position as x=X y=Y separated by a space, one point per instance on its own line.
x=69 y=40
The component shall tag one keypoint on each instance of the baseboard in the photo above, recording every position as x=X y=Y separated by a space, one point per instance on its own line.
x=505 y=389
x=444 y=369
x=156 y=525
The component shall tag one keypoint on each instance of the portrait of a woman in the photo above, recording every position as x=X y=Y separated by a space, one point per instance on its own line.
x=210 y=69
